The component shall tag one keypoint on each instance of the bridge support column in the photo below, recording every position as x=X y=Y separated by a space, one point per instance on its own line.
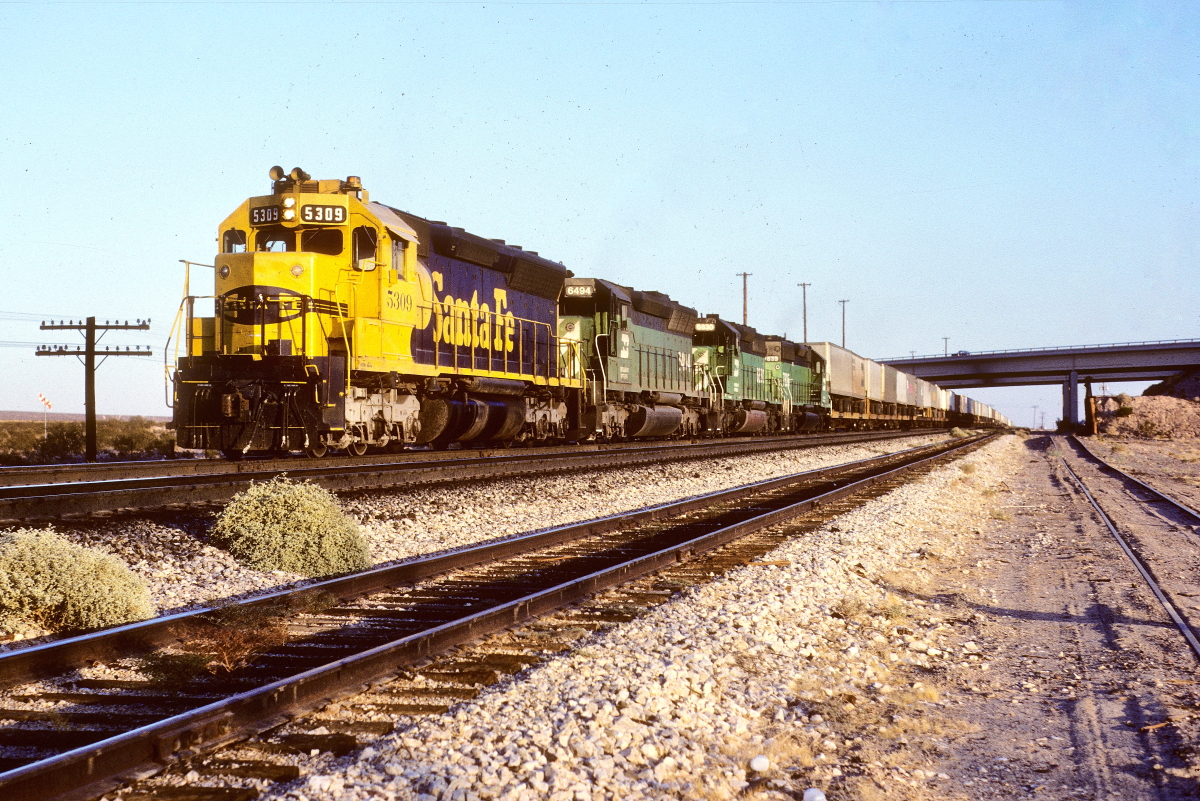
x=1070 y=415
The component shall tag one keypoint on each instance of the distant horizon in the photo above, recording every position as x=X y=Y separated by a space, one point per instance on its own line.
x=18 y=416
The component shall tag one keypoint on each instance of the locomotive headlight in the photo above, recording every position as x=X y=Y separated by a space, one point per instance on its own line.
x=289 y=202
x=297 y=270
x=289 y=214
x=224 y=271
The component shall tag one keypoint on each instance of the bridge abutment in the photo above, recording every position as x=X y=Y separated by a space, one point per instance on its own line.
x=1070 y=387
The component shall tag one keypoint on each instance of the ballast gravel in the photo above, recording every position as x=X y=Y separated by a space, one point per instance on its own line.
x=183 y=570
x=732 y=686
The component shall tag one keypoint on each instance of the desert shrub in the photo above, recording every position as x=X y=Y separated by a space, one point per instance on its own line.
x=1124 y=400
x=136 y=436
x=23 y=442
x=61 y=586
x=1125 y=411
x=847 y=608
x=958 y=433
x=62 y=440
x=172 y=669
x=294 y=526
x=1147 y=428
x=968 y=467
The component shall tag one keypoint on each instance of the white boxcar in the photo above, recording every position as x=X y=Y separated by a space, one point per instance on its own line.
x=847 y=370
x=875 y=375
x=891 y=384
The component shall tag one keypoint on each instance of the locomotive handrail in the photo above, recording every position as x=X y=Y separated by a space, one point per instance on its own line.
x=187 y=297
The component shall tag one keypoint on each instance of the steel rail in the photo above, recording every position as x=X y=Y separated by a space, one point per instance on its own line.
x=1152 y=490
x=42 y=501
x=1141 y=567
x=28 y=475
x=94 y=768
x=49 y=659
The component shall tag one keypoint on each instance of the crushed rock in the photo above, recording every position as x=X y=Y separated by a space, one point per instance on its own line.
x=677 y=703
x=184 y=570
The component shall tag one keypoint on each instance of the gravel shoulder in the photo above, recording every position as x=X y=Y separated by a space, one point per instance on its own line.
x=824 y=658
x=973 y=635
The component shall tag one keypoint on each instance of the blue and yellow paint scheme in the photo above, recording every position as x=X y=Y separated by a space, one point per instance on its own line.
x=341 y=322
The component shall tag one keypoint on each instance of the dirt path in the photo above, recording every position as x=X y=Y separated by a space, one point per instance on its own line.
x=1085 y=689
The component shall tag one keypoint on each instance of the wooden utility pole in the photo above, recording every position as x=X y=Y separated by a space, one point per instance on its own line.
x=745 y=299
x=804 y=301
x=844 y=302
x=89 y=352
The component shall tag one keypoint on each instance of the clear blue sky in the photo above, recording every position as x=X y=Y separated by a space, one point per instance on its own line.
x=1006 y=174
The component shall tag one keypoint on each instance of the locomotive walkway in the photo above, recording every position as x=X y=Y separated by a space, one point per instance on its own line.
x=1068 y=366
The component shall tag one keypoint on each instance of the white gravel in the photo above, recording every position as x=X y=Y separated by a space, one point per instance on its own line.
x=183 y=571
x=680 y=702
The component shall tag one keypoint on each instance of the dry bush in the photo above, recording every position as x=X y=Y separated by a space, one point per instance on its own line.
x=958 y=433
x=905 y=582
x=968 y=467
x=173 y=669
x=892 y=609
x=848 y=608
x=233 y=636
x=1000 y=514
x=297 y=527
x=61 y=586
x=222 y=640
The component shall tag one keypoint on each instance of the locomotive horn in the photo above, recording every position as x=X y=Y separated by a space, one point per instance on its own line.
x=277 y=173
x=298 y=174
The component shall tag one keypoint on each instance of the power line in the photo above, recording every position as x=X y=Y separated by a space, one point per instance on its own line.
x=89 y=352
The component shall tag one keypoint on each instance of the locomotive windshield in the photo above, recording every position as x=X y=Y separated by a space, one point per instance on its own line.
x=577 y=307
x=712 y=339
x=275 y=239
x=233 y=241
x=327 y=241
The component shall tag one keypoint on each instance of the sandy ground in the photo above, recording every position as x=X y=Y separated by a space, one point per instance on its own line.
x=1091 y=692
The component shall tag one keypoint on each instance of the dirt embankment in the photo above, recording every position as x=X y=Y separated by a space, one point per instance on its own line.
x=1153 y=417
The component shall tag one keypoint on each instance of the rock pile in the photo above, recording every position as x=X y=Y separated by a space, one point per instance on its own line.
x=1148 y=416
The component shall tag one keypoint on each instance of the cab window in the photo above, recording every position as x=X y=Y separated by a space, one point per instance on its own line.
x=233 y=241
x=326 y=241
x=365 y=241
x=398 y=245
x=275 y=239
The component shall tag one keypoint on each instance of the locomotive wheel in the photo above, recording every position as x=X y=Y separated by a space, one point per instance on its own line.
x=356 y=448
x=316 y=451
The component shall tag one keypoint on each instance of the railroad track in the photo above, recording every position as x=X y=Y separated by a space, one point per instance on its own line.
x=40 y=493
x=77 y=737
x=1157 y=532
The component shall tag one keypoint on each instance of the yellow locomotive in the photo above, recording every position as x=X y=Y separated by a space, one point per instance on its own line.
x=339 y=322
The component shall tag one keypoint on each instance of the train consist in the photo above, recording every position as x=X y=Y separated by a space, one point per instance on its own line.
x=342 y=323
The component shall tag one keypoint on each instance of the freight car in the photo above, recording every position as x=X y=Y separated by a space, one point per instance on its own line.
x=339 y=322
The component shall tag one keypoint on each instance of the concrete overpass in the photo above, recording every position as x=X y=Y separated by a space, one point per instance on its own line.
x=1123 y=361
